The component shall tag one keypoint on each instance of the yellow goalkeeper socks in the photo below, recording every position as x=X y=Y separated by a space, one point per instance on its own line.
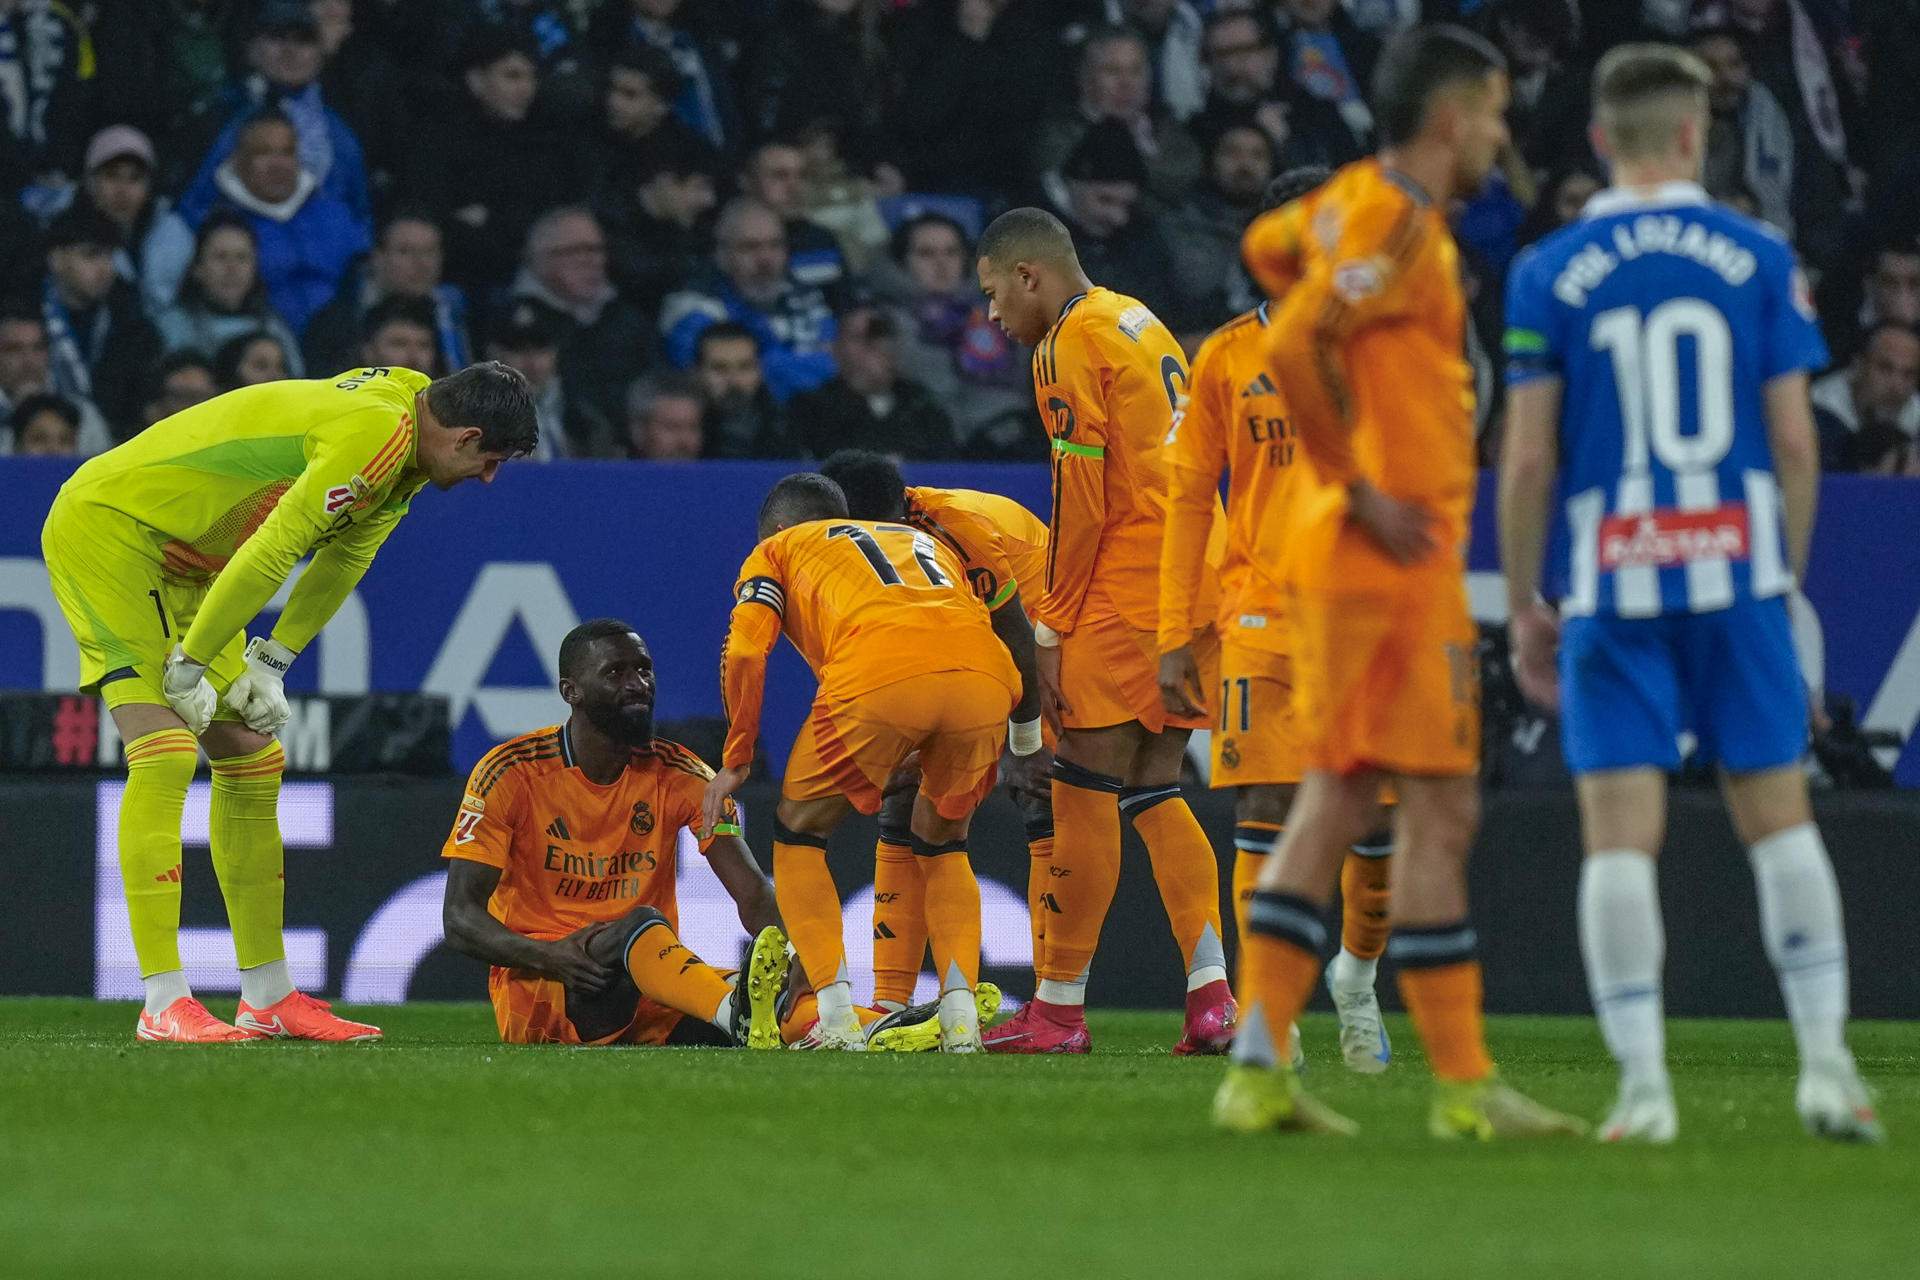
x=159 y=769
x=244 y=827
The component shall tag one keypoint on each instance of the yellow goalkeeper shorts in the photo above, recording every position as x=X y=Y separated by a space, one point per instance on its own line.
x=125 y=614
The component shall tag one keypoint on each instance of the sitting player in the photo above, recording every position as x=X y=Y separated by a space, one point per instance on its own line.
x=907 y=661
x=561 y=868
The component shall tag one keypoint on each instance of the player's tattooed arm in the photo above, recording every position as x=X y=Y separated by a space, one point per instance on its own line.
x=472 y=930
x=745 y=882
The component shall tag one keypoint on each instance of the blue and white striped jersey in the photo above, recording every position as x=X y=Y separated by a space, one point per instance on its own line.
x=1664 y=316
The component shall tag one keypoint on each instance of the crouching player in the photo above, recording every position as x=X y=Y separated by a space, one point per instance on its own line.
x=907 y=661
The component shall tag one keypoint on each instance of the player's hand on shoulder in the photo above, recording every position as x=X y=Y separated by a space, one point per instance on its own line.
x=1401 y=529
x=719 y=787
x=1534 y=636
x=1180 y=682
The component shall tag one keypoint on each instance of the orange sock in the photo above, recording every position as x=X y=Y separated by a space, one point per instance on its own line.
x=666 y=972
x=1039 y=858
x=1365 y=920
x=1278 y=966
x=1252 y=842
x=953 y=913
x=899 y=920
x=1084 y=870
x=1440 y=983
x=1187 y=873
x=809 y=906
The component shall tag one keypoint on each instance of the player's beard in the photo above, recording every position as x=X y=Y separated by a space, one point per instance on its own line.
x=628 y=728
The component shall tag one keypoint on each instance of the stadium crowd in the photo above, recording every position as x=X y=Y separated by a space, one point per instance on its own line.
x=743 y=228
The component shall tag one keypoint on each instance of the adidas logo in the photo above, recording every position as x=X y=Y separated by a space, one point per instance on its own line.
x=558 y=829
x=881 y=931
x=1260 y=386
x=171 y=876
x=1051 y=903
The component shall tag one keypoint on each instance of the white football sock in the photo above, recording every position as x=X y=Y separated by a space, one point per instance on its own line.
x=164 y=988
x=836 y=1006
x=957 y=1009
x=1204 y=974
x=266 y=984
x=1624 y=946
x=723 y=1016
x=1055 y=992
x=1800 y=920
x=1348 y=973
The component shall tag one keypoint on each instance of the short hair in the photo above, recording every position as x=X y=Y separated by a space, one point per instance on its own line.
x=1294 y=183
x=226 y=360
x=46 y=402
x=488 y=43
x=904 y=233
x=1221 y=17
x=1110 y=33
x=872 y=483
x=724 y=331
x=648 y=390
x=493 y=397
x=1642 y=92
x=646 y=61
x=742 y=207
x=22 y=311
x=398 y=309
x=1419 y=63
x=573 y=649
x=82 y=223
x=1027 y=235
x=408 y=213
x=266 y=115
x=541 y=232
x=168 y=365
x=800 y=497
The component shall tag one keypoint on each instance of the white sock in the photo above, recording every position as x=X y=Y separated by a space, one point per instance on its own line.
x=1347 y=973
x=836 y=1006
x=1800 y=920
x=1054 y=992
x=723 y=1016
x=957 y=1009
x=164 y=988
x=1204 y=974
x=1624 y=946
x=266 y=984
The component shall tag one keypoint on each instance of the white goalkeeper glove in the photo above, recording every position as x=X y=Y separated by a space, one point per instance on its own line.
x=259 y=694
x=184 y=684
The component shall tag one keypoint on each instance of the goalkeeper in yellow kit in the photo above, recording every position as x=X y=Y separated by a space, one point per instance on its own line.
x=161 y=551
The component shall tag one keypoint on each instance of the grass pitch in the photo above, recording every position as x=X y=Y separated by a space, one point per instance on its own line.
x=441 y=1152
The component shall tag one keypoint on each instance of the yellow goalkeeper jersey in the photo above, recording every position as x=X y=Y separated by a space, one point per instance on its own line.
x=239 y=488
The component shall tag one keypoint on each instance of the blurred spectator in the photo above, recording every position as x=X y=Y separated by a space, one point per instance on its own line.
x=163 y=66
x=24 y=367
x=750 y=286
x=636 y=115
x=1749 y=139
x=819 y=60
x=1877 y=394
x=371 y=55
x=179 y=381
x=547 y=28
x=97 y=338
x=119 y=166
x=1098 y=195
x=1886 y=288
x=1172 y=30
x=489 y=170
x=1562 y=196
x=775 y=174
x=658 y=220
x=46 y=426
x=249 y=360
x=974 y=75
x=284 y=62
x=666 y=419
x=1116 y=90
x=1551 y=92
x=223 y=297
x=844 y=202
x=406 y=262
x=742 y=420
x=948 y=344
x=604 y=341
x=45 y=65
x=706 y=103
x=1384 y=18
x=528 y=338
x=867 y=404
x=1244 y=86
x=399 y=331
x=1330 y=58
x=1202 y=236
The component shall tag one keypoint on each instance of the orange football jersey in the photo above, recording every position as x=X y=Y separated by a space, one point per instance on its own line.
x=866 y=603
x=1106 y=378
x=1234 y=420
x=570 y=852
x=1367 y=339
x=1002 y=544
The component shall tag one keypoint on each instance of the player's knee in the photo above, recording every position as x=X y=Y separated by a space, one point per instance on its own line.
x=1263 y=803
x=166 y=759
x=896 y=818
x=269 y=762
x=624 y=934
x=1036 y=811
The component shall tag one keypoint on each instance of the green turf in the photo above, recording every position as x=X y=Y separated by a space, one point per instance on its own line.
x=441 y=1153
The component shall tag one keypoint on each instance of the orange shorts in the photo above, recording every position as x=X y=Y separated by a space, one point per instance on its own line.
x=1110 y=674
x=1388 y=681
x=532 y=1010
x=1255 y=742
x=956 y=720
